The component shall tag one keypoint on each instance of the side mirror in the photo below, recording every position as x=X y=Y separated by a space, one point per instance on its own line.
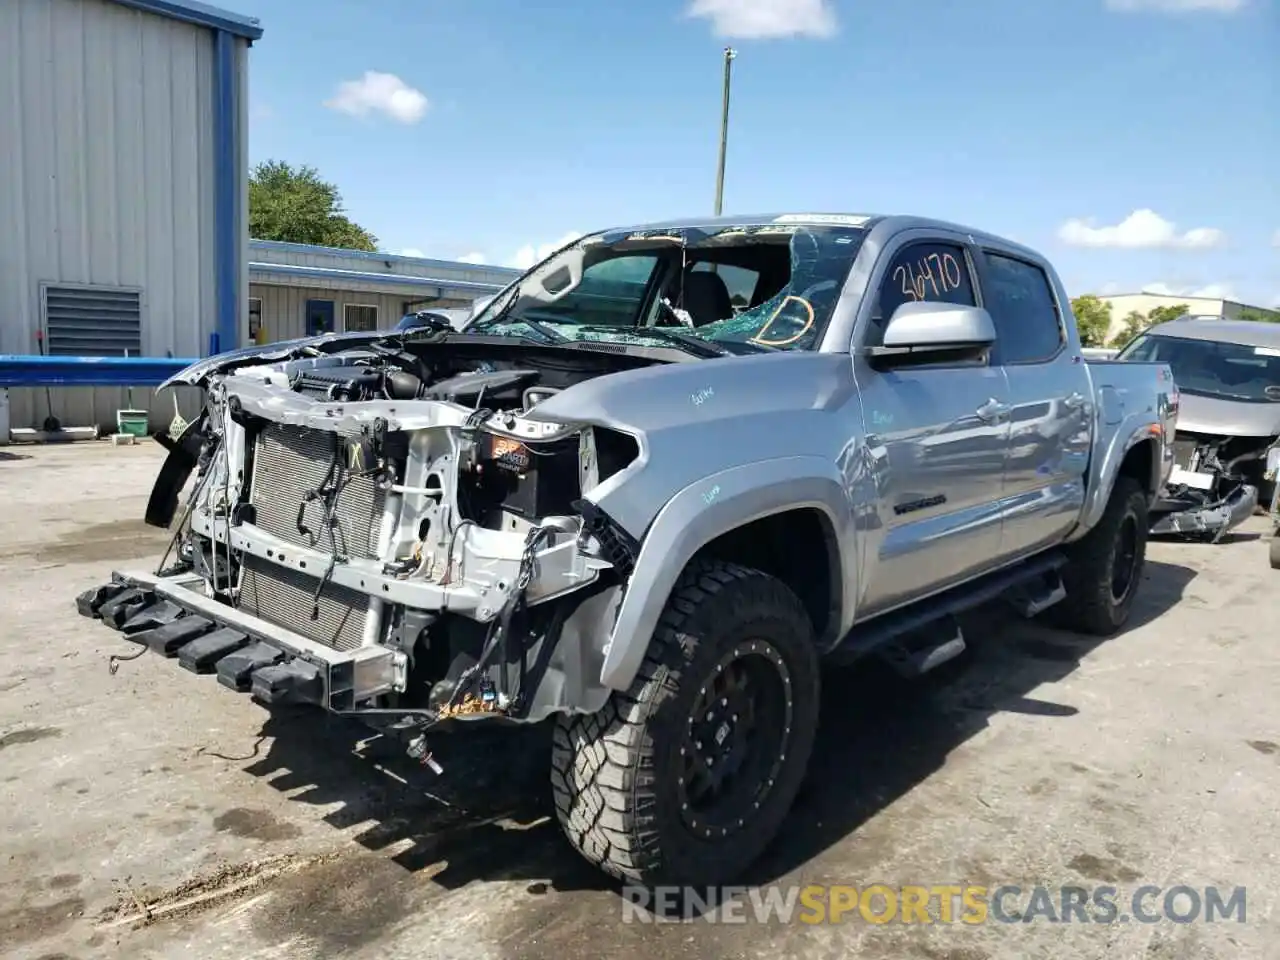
x=936 y=329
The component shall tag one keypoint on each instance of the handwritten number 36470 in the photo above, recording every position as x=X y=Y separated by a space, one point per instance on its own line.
x=931 y=275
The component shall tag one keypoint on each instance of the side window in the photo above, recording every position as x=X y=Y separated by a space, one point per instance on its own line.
x=922 y=271
x=1020 y=300
x=610 y=293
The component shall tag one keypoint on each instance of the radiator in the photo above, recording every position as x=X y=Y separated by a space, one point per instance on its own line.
x=290 y=462
x=285 y=597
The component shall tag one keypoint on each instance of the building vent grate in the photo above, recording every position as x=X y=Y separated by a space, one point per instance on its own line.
x=92 y=321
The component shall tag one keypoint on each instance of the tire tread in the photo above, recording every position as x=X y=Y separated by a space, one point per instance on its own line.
x=603 y=776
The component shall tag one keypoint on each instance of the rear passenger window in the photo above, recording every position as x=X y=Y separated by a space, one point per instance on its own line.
x=1020 y=300
x=937 y=272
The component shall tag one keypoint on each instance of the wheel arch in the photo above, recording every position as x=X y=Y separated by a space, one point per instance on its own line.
x=718 y=512
x=1135 y=451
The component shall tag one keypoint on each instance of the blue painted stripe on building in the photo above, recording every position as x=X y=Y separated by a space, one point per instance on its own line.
x=285 y=246
x=226 y=245
x=364 y=277
x=201 y=14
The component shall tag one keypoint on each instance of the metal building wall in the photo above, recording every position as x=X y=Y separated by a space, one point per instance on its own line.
x=284 y=307
x=108 y=177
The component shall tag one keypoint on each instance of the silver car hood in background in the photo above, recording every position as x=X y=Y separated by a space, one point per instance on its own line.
x=1227 y=418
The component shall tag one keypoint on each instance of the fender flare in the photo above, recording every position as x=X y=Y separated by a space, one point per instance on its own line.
x=697 y=515
x=1135 y=429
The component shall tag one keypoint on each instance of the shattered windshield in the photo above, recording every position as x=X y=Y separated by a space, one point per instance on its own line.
x=1212 y=368
x=710 y=291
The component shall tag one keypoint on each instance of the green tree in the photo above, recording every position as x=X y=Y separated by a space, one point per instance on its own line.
x=1165 y=314
x=1257 y=315
x=299 y=207
x=1134 y=324
x=1093 y=319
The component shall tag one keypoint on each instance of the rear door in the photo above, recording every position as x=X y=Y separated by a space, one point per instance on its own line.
x=1050 y=398
x=935 y=435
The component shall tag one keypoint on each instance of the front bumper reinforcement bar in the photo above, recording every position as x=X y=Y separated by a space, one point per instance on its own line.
x=172 y=616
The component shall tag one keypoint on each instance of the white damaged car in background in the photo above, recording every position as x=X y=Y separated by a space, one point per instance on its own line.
x=1226 y=453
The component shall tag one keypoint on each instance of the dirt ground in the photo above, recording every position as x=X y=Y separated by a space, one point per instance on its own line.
x=152 y=813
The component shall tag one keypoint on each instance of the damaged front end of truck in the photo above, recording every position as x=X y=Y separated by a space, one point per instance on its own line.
x=386 y=548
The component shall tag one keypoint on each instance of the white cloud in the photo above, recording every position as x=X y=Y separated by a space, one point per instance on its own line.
x=766 y=19
x=528 y=255
x=410 y=252
x=1177 y=6
x=476 y=258
x=379 y=93
x=1142 y=228
x=1212 y=291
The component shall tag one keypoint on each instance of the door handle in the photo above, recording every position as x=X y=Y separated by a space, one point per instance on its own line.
x=992 y=410
x=1074 y=402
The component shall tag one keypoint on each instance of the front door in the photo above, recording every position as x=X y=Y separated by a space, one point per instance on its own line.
x=319 y=317
x=936 y=435
x=1049 y=392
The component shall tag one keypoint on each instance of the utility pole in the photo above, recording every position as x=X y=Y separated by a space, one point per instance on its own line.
x=729 y=54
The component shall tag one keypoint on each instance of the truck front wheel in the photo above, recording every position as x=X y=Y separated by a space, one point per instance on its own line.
x=1105 y=565
x=686 y=777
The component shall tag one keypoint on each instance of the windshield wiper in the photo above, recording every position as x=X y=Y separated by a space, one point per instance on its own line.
x=688 y=341
x=552 y=335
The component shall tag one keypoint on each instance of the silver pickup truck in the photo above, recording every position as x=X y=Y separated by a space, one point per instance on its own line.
x=643 y=493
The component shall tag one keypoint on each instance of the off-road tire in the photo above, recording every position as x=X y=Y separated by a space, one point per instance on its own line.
x=617 y=774
x=1091 y=605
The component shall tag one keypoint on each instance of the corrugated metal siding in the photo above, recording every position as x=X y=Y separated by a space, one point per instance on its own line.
x=106 y=117
x=284 y=308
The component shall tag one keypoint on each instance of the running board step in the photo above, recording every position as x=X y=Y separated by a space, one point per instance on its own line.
x=1037 y=595
x=930 y=612
x=913 y=655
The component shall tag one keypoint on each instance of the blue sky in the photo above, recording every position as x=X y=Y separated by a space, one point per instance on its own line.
x=1135 y=142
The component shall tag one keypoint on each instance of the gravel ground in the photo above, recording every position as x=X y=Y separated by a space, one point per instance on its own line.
x=154 y=814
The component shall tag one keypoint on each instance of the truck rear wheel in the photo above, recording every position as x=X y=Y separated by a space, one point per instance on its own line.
x=1105 y=565
x=686 y=777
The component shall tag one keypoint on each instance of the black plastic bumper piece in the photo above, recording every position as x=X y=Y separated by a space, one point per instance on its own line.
x=202 y=654
x=156 y=614
x=89 y=603
x=120 y=608
x=616 y=544
x=290 y=682
x=169 y=638
x=235 y=670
